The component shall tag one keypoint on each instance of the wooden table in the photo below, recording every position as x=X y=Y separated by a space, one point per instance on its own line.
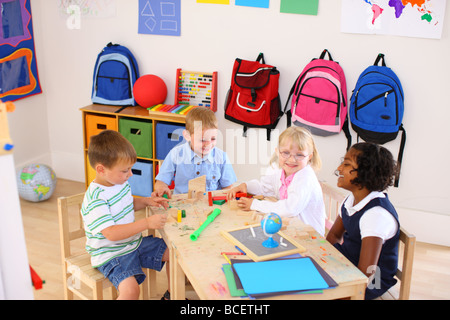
x=200 y=261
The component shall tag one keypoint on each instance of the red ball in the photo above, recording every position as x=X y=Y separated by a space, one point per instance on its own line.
x=149 y=90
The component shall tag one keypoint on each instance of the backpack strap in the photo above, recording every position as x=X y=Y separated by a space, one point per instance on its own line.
x=324 y=52
x=260 y=58
x=377 y=60
x=400 y=155
x=287 y=109
x=119 y=110
x=289 y=116
x=346 y=130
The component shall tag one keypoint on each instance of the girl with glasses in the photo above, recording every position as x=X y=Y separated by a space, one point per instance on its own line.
x=291 y=179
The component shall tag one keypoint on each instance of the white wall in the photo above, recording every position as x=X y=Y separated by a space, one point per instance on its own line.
x=49 y=126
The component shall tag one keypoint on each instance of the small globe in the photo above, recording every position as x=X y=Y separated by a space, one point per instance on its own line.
x=36 y=182
x=270 y=225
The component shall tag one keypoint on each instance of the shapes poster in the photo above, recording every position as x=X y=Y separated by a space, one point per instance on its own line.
x=161 y=17
x=411 y=18
x=18 y=67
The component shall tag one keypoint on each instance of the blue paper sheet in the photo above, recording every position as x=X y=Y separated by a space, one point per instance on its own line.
x=279 y=275
x=253 y=3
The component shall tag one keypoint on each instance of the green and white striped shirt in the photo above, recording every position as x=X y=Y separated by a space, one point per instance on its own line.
x=104 y=207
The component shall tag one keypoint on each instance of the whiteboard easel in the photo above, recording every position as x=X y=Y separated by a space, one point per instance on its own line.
x=15 y=278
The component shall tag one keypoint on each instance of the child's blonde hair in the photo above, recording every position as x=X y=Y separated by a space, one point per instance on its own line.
x=108 y=148
x=303 y=138
x=205 y=116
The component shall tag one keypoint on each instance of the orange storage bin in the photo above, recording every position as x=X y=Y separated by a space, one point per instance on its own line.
x=95 y=124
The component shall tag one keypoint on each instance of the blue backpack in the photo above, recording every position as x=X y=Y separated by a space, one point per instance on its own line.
x=115 y=73
x=377 y=106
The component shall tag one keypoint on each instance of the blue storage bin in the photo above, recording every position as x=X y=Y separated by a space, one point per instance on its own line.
x=167 y=136
x=141 y=181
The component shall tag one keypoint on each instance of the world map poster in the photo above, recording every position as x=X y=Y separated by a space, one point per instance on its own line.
x=410 y=18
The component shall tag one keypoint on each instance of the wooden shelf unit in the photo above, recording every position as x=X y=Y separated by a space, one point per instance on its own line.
x=133 y=113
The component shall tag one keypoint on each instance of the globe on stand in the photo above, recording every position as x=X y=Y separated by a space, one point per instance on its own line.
x=270 y=224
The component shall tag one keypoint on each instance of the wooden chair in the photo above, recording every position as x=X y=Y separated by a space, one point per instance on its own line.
x=333 y=199
x=77 y=269
x=404 y=275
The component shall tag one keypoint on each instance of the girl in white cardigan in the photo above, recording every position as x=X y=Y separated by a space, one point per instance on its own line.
x=291 y=179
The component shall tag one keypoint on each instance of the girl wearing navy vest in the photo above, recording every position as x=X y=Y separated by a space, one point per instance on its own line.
x=367 y=229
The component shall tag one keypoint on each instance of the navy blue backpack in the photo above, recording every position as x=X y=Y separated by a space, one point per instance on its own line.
x=115 y=73
x=377 y=106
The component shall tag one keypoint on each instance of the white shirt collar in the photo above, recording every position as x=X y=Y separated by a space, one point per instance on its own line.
x=352 y=209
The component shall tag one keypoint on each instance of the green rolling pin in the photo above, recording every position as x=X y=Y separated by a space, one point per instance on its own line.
x=208 y=220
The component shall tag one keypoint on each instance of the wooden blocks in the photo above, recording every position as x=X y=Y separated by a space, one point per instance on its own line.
x=210 y=201
x=195 y=186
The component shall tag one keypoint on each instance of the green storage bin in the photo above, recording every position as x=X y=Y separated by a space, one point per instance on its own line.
x=139 y=133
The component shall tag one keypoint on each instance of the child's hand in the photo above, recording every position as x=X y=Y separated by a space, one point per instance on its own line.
x=156 y=221
x=161 y=189
x=160 y=193
x=158 y=202
x=245 y=203
x=231 y=194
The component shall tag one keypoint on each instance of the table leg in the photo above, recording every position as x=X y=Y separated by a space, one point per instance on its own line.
x=360 y=291
x=177 y=277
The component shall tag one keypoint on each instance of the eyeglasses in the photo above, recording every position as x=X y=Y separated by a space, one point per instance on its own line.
x=298 y=157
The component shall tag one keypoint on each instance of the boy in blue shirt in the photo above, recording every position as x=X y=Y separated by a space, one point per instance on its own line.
x=197 y=157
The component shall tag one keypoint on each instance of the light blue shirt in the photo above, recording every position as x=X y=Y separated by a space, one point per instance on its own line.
x=183 y=165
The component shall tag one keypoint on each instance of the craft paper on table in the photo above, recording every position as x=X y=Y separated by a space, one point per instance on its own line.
x=161 y=17
x=253 y=3
x=279 y=276
x=232 y=287
x=214 y=1
x=237 y=282
x=18 y=68
x=411 y=18
x=310 y=7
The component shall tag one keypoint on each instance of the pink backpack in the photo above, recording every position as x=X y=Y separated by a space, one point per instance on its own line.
x=319 y=98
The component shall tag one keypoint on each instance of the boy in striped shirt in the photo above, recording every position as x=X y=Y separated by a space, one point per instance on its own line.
x=114 y=238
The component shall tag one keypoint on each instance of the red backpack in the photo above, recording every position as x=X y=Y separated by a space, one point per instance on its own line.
x=253 y=98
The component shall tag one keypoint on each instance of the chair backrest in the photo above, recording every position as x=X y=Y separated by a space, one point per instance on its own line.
x=68 y=211
x=333 y=199
x=404 y=274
